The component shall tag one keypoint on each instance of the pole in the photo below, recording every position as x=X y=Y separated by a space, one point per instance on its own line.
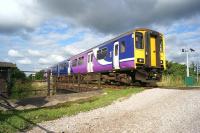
x=48 y=83
x=187 y=64
x=197 y=72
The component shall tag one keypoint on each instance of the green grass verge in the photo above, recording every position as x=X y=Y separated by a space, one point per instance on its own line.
x=14 y=121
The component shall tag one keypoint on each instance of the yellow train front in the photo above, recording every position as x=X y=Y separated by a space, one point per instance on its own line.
x=149 y=54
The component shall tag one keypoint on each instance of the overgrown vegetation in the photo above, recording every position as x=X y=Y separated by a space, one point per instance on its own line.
x=175 y=74
x=21 y=86
x=14 y=121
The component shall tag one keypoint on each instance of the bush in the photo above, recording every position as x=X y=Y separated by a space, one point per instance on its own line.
x=21 y=89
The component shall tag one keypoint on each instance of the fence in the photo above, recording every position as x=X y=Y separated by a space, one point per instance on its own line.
x=21 y=85
x=30 y=86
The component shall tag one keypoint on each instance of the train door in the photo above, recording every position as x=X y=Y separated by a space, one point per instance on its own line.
x=116 y=56
x=90 y=62
x=153 y=50
x=69 y=68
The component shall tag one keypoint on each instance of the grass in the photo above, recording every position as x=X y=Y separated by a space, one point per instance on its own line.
x=18 y=121
x=172 y=81
x=175 y=81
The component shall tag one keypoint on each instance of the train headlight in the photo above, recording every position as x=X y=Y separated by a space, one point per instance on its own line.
x=161 y=61
x=140 y=60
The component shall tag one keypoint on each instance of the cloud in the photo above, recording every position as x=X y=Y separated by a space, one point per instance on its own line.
x=43 y=61
x=35 y=53
x=88 y=40
x=119 y=16
x=19 y=16
x=14 y=53
x=25 y=61
x=51 y=59
x=103 y=16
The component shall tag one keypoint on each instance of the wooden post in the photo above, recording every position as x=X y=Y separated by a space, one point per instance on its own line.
x=48 y=83
x=87 y=79
x=9 y=82
x=79 y=81
x=73 y=81
x=99 y=81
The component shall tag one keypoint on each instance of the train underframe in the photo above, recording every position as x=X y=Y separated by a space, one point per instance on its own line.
x=142 y=77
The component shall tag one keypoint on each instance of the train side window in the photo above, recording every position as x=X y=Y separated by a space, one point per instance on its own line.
x=122 y=47
x=104 y=53
x=74 y=63
x=80 y=60
x=139 y=40
x=101 y=54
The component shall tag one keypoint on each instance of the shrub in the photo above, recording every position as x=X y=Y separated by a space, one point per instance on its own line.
x=21 y=89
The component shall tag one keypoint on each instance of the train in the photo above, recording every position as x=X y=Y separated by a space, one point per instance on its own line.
x=138 y=55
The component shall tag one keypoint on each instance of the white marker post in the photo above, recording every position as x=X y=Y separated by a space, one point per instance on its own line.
x=188 y=71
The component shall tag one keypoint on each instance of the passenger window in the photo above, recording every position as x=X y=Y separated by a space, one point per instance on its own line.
x=122 y=47
x=104 y=53
x=139 y=40
x=74 y=63
x=80 y=60
x=101 y=54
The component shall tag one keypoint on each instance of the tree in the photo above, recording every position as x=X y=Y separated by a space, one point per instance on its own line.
x=18 y=75
x=39 y=75
x=175 y=69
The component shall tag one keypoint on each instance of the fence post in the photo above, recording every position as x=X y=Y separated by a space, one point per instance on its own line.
x=99 y=81
x=48 y=83
x=79 y=81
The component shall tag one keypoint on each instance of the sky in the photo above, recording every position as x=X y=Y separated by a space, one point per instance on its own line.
x=36 y=34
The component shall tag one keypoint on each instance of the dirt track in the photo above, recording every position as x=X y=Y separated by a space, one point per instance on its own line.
x=154 y=110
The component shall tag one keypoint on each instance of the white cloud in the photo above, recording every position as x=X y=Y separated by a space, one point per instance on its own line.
x=43 y=61
x=25 y=61
x=50 y=60
x=14 y=53
x=17 y=15
x=89 y=40
x=35 y=53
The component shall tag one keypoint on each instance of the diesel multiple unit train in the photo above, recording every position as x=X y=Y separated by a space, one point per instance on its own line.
x=138 y=54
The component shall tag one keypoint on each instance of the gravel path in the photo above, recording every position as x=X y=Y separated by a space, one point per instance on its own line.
x=154 y=110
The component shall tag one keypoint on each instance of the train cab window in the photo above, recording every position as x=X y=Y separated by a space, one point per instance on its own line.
x=139 y=40
x=74 y=63
x=122 y=47
x=80 y=60
x=161 y=45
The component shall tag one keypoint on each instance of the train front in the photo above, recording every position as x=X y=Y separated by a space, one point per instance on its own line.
x=149 y=53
